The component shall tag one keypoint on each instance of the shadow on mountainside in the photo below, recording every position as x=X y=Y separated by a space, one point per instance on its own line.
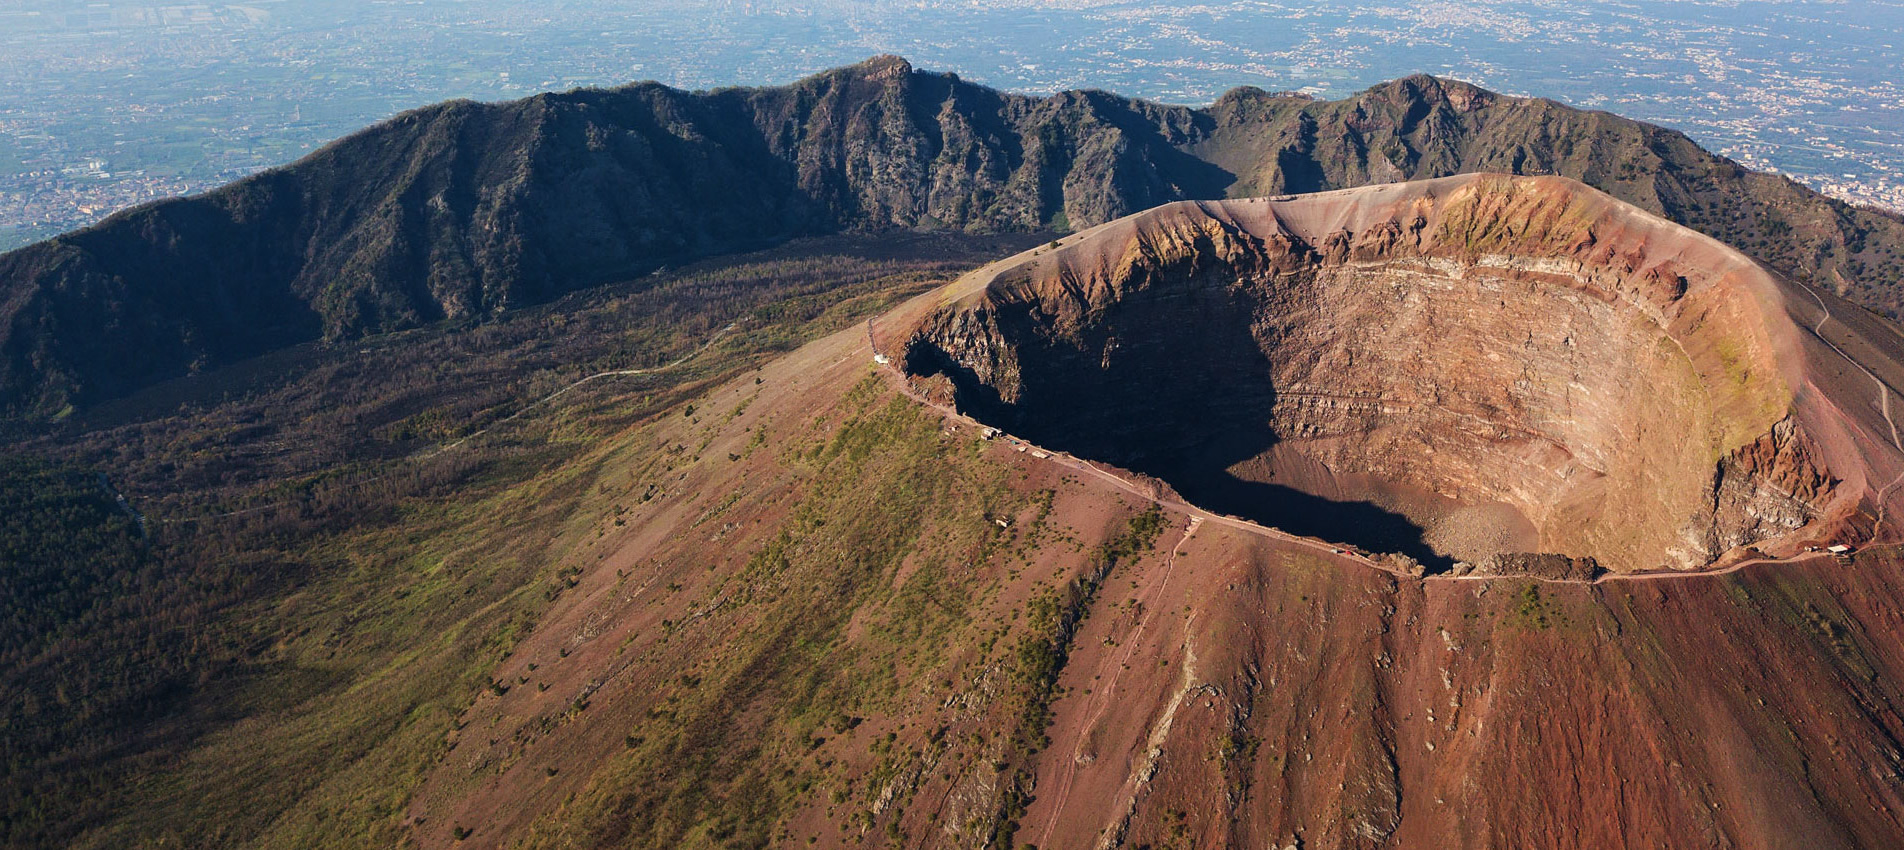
x=1207 y=482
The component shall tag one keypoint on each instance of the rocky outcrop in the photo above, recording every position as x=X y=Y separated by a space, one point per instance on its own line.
x=1769 y=487
x=1532 y=565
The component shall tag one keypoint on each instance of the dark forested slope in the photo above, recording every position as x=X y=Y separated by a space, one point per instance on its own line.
x=467 y=209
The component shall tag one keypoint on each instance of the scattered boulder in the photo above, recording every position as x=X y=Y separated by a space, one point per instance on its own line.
x=1537 y=565
x=1402 y=563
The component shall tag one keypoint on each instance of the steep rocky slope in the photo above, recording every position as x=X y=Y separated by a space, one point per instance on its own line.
x=1040 y=658
x=465 y=209
x=1498 y=365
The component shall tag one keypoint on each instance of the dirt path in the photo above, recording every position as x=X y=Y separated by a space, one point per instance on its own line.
x=1100 y=701
x=588 y=378
x=1884 y=391
x=1068 y=461
x=125 y=505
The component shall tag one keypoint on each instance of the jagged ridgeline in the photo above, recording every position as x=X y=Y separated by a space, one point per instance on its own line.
x=465 y=209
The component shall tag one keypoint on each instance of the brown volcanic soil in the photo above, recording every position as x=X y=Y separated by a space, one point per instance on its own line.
x=1256 y=697
x=718 y=674
x=823 y=614
x=1451 y=369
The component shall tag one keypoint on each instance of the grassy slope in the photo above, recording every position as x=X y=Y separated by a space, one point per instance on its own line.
x=861 y=623
x=282 y=670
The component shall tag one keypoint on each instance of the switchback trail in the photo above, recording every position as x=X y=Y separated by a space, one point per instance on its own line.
x=1101 y=696
x=1884 y=393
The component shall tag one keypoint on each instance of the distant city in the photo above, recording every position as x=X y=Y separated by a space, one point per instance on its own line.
x=111 y=104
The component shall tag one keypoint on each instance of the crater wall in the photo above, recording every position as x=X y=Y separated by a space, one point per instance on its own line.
x=1481 y=368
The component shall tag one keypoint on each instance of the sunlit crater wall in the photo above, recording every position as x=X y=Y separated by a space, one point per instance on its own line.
x=1409 y=362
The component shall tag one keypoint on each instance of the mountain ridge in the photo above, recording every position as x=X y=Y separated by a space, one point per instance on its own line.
x=464 y=210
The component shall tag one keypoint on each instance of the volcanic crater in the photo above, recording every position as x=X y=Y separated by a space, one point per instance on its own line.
x=1481 y=374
